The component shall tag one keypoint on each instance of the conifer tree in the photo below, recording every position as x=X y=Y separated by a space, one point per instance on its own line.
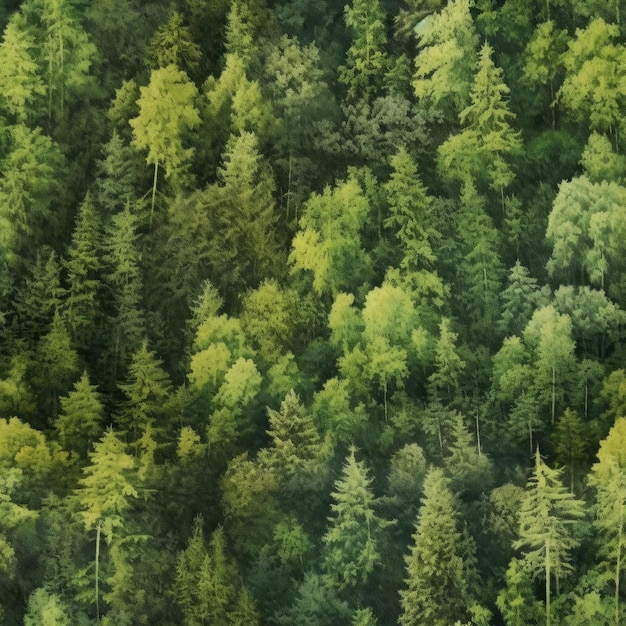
x=436 y=592
x=115 y=184
x=83 y=266
x=80 y=421
x=366 y=59
x=352 y=543
x=146 y=392
x=545 y=536
x=481 y=150
x=444 y=382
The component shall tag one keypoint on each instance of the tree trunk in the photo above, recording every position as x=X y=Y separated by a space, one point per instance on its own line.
x=553 y=393
x=547 y=585
x=97 y=572
x=154 y=188
x=478 y=436
x=618 y=564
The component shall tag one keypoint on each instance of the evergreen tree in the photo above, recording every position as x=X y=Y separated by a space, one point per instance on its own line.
x=444 y=382
x=480 y=152
x=80 y=421
x=146 y=393
x=116 y=175
x=366 y=59
x=437 y=591
x=545 y=536
x=83 y=266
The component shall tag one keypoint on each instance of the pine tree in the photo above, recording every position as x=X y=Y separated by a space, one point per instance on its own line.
x=116 y=174
x=545 y=537
x=444 y=382
x=80 y=421
x=146 y=391
x=366 y=59
x=83 y=266
x=437 y=592
x=351 y=544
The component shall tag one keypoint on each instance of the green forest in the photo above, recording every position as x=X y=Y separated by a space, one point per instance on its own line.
x=313 y=314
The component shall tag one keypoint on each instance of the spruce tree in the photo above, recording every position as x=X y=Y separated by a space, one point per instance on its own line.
x=545 y=536
x=436 y=592
x=352 y=543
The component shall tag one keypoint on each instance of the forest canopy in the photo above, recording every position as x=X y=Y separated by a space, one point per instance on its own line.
x=312 y=313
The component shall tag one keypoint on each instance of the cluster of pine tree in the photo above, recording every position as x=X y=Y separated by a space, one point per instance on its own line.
x=312 y=314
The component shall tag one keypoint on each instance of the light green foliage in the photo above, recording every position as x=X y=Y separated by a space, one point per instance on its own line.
x=517 y=601
x=267 y=320
x=446 y=61
x=436 y=591
x=329 y=240
x=107 y=487
x=549 y=335
x=173 y=44
x=32 y=170
x=482 y=149
x=167 y=113
x=364 y=617
x=586 y=228
x=545 y=535
x=608 y=476
x=351 y=544
x=601 y=162
x=234 y=400
x=80 y=421
x=21 y=84
x=345 y=322
x=334 y=411
x=593 y=90
x=366 y=58
x=46 y=609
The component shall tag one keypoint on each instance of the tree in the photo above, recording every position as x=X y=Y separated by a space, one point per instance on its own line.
x=447 y=58
x=437 y=591
x=547 y=512
x=601 y=162
x=351 y=544
x=32 y=174
x=410 y=219
x=146 y=392
x=128 y=326
x=67 y=54
x=608 y=476
x=444 y=381
x=173 y=44
x=571 y=441
x=208 y=587
x=21 y=85
x=80 y=421
x=366 y=60
x=83 y=266
x=480 y=152
x=585 y=229
x=593 y=89
x=550 y=336
x=167 y=113
x=46 y=609
x=517 y=601
x=520 y=298
x=329 y=240
x=105 y=492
